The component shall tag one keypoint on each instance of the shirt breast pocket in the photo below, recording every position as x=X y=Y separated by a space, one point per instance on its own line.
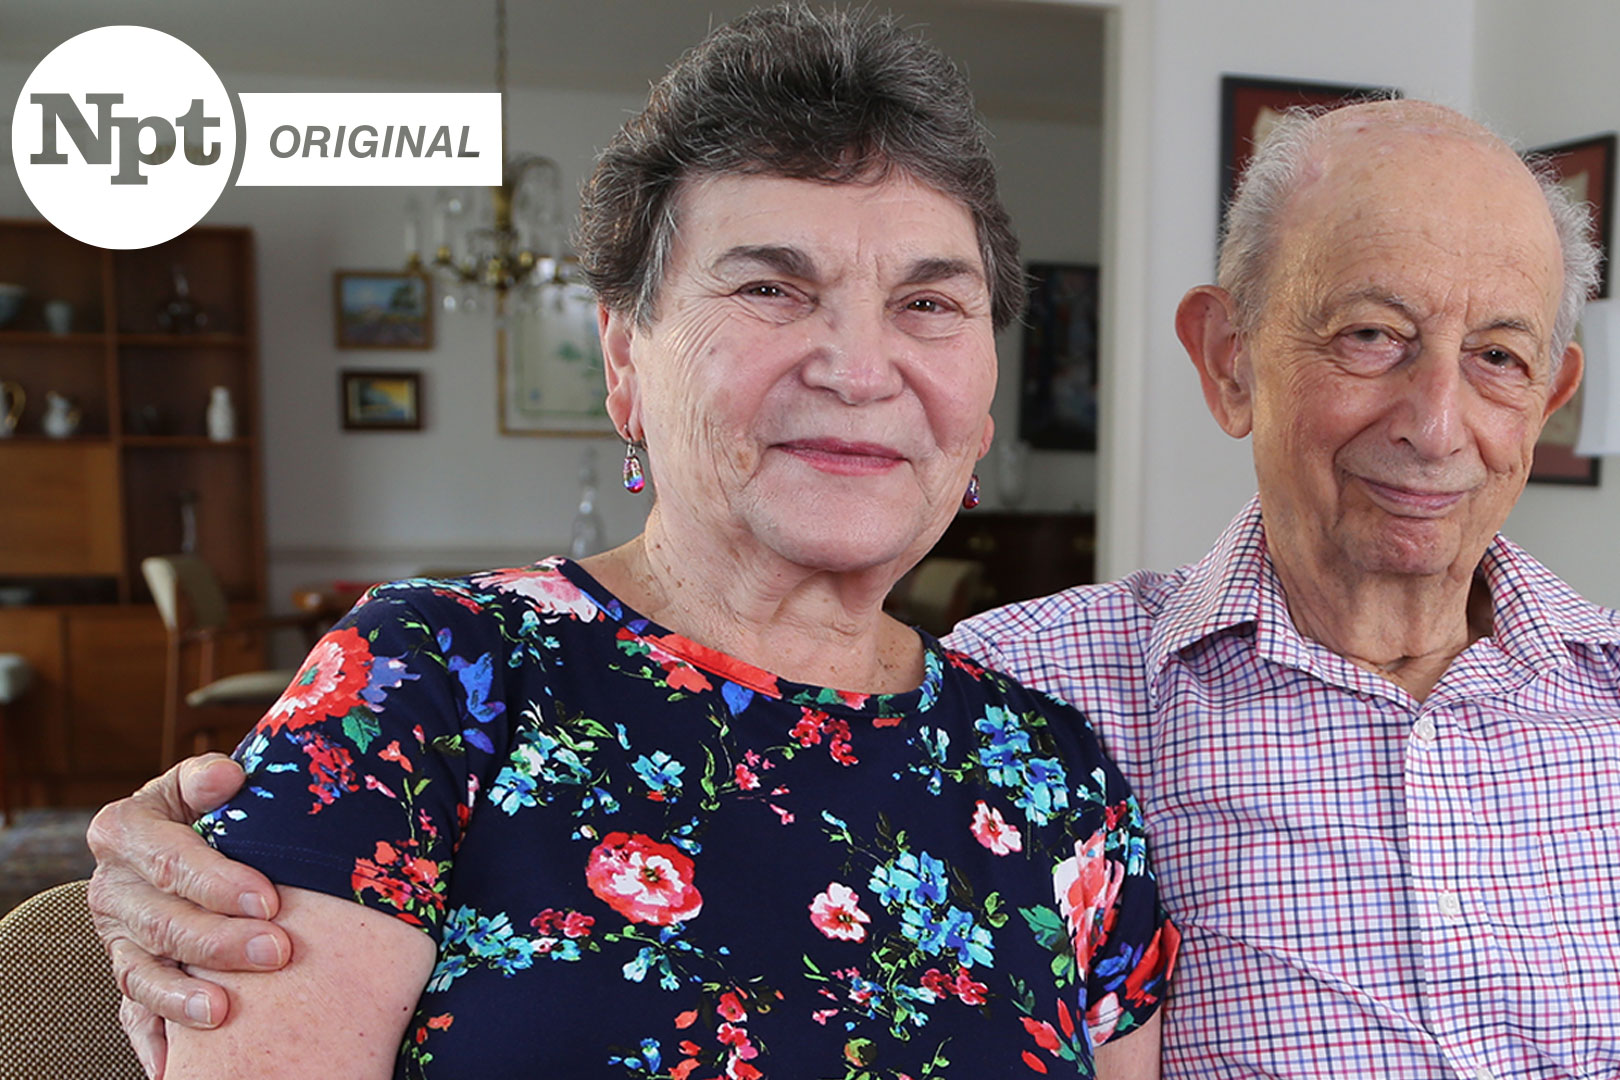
x=1582 y=871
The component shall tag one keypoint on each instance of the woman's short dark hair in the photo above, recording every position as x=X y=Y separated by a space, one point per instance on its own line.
x=835 y=96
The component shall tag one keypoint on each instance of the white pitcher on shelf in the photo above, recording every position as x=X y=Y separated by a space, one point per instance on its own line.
x=221 y=415
x=61 y=416
x=12 y=400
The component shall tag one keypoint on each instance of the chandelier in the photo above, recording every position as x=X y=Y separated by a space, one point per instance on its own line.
x=490 y=242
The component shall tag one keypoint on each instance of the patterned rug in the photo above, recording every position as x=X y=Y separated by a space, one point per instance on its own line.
x=41 y=848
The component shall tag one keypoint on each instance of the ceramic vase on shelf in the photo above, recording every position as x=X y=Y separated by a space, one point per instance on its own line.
x=61 y=416
x=221 y=415
x=12 y=400
x=180 y=314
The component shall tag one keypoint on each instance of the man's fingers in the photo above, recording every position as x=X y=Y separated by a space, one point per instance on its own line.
x=145 y=1031
x=132 y=915
x=149 y=836
x=166 y=991
x=207 y=781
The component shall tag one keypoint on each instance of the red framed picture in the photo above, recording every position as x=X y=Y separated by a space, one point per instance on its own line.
x=1586 y=169
x=1251 y=106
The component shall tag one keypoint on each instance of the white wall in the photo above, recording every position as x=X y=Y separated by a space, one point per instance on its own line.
x=1193 y=477
x=1546 y=76
x=458 y=494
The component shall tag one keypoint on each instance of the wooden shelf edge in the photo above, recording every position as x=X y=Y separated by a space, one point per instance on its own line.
x=183 y=442
x=181 y=341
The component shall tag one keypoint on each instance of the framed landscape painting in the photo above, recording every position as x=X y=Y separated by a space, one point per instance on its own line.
x=378 y=309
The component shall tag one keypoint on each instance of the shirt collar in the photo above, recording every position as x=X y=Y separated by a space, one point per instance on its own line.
x=1537 y=617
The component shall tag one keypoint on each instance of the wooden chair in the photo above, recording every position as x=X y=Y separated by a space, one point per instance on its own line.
x=58 y=1000
x=217 y=710
x=15 y=674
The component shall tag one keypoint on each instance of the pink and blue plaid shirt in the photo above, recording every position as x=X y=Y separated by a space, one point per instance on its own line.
x=1368 y=886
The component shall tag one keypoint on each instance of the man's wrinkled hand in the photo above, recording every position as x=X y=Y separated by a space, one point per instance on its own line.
x=162 y=898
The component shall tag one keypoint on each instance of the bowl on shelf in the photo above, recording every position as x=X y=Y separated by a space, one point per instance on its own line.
x=15 y=595
x=11 y=298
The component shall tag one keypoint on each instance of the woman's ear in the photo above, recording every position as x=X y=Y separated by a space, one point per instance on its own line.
x=1207 y=326
x=617 y=331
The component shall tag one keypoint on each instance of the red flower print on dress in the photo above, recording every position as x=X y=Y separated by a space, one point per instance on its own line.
x=814 y=724
x=1087 y=886
x=404 y=881
x=837 y=913
x=545 y=587
x=991 y=829
x=337 y=669
x=642 y=879
x=960 y=985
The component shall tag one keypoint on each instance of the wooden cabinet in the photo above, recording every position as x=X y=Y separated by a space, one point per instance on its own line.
x=137 y=477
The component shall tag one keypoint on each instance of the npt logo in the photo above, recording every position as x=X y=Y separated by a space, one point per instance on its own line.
x=59 y=112
x=124 y=137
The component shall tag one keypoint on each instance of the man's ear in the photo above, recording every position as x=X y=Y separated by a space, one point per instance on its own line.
x=617 y=331
x=1207 y=327
x=1566 y=380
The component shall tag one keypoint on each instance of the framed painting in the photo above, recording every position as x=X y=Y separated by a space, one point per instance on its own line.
x=1585 y=167
x=380 y=309
x=380 y=400
x=1251 y=107
x=549 y=361
x=1057 y=407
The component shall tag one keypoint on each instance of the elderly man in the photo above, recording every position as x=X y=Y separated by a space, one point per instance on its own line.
x=1375 y=740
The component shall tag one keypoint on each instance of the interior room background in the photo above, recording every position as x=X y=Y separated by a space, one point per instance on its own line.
x=1105 y=118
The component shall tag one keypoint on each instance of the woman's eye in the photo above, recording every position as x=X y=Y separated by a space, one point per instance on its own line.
x=763 y=289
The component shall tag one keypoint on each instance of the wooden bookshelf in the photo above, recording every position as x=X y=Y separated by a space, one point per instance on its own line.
x=78 y=514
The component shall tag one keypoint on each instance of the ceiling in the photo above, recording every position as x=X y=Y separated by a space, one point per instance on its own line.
x=1026 y=58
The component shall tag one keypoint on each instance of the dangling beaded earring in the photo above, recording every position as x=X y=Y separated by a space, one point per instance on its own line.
x=634 y=479
x=970 y=497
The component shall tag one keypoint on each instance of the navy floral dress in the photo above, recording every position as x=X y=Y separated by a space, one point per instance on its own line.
x=641 y=858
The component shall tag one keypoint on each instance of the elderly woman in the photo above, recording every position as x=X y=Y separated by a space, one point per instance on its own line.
x=696 y=807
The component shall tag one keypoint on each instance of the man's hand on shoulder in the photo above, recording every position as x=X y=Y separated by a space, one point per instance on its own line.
x=161 y=897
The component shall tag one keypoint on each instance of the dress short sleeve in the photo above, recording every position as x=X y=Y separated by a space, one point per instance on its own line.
x=378 y=742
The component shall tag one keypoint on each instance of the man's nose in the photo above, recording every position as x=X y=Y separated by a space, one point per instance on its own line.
x=1429 y=416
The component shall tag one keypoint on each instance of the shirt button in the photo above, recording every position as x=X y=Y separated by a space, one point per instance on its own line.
x=1451 y=907
x=1425 y=731
x=1484 y=1074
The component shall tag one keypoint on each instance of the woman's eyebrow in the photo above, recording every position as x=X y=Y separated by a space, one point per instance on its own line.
x=782 y=258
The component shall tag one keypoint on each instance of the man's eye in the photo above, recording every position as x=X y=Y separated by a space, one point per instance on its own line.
x=1498 y=357
x=763 y=289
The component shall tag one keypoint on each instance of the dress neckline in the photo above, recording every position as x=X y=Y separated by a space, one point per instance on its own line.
x=749 y=678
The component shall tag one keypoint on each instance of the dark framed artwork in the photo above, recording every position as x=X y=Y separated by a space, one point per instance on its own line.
x=1058 y=392
x=1586 y=170
x=382 y=309
x=1251 y=107
x=380 y=400
x=1585 y=167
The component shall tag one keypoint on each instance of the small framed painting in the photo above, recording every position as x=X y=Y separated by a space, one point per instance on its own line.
x=381 y=400
x=1251 y=107
x=379 y=309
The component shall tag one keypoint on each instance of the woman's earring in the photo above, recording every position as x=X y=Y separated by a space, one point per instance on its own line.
x=970 y=497
x=634 y=479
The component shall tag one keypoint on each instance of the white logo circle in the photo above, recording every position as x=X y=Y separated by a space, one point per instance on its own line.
x=123 y=137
